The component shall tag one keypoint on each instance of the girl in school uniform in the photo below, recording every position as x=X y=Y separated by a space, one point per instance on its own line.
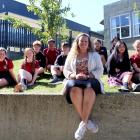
x=7 y=76
x=39 y=56
x=29 y=69
x=118 y=66
x=135 y=62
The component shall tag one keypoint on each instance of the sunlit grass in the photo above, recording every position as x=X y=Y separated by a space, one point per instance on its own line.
x=42 y=84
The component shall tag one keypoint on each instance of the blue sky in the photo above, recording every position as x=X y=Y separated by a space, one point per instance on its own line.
x=87 y=12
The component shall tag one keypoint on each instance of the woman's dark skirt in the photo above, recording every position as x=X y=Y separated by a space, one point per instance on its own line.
x=6 y=75
x=93 y=83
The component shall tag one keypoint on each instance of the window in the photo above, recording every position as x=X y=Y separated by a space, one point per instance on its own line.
x=120 y=26
x=136 y=23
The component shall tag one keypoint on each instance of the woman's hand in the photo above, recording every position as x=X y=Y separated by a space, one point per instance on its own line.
x=81 y=76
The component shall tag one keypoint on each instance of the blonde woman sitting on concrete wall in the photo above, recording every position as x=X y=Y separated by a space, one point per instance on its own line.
x=83 y=69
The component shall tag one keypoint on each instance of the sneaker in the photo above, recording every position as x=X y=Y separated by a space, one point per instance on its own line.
x=92 y=126
x=136 y=88
x=24 y=87
x=80 y=132
x=56 y=81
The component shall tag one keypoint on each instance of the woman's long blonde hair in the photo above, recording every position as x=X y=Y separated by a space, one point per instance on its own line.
x=74 y=51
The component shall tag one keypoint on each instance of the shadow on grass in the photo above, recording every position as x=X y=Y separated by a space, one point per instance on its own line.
x=44 y=76
x=46 y=84
x=42 y=84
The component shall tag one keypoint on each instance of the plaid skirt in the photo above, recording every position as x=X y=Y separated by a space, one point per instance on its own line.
x=116 y=80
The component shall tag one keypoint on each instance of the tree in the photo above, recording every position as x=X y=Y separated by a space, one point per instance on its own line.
x=135 y=7
x=51 y=18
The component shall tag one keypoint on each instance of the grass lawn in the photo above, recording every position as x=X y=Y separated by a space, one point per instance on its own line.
x=43 y=86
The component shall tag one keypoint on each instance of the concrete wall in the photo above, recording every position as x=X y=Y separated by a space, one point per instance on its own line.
x=49 y=117
x=119 y=8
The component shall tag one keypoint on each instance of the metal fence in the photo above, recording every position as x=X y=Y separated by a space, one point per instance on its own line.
x=15 y=39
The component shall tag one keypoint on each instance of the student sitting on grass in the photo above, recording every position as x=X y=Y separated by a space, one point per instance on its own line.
x=102 y=52
x=29 y=69
x=118 y=66
x=7 y=76
x=51 y=54
x=135 y=61
x=57 y=68
x=113 y=42
x=39 y=56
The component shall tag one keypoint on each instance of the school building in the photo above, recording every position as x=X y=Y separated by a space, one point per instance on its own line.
x=122 y=19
